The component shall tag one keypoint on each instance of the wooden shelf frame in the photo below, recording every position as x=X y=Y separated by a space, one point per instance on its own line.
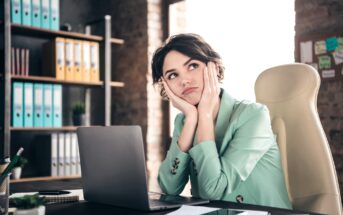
x=47 y=129
x=46 y=178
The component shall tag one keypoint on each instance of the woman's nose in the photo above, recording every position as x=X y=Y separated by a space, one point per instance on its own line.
x=185 y=81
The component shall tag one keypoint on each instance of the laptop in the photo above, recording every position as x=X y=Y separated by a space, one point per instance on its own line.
x=113 y=170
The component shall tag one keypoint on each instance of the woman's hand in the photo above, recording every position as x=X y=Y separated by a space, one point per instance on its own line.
x=186 y=108
x=209 y=103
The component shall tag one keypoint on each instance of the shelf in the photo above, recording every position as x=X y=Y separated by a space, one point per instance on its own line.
x=54 y=80
x=46 y=33
x=65 y=128
x=47 y=178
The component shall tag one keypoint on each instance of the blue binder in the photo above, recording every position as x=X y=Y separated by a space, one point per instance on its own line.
x=45 y=16
x=16 y=11
x=26 y=12
x=57 y=105
x=36 y=13
x=38 y=105
x=47 y=102
x=54 y=14
x=28 y=105
x=17 y=113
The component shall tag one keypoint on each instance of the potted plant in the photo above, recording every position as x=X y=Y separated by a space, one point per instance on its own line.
x=18 y=167
x=28 y=205
x=79 y=113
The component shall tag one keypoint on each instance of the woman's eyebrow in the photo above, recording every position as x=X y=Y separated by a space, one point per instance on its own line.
x=172 y=70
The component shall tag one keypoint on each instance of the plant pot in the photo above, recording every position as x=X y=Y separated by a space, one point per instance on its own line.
x=34 y=211
x=79 y=119
x=16 y=172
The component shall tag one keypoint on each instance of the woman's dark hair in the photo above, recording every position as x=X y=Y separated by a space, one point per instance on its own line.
x=191 y=45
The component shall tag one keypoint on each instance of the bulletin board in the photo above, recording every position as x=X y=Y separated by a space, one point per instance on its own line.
x=324 y=53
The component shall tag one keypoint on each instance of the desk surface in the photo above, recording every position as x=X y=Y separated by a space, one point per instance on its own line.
x=86 y=208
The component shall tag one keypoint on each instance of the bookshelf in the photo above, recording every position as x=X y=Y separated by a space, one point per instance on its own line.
x=8 y=31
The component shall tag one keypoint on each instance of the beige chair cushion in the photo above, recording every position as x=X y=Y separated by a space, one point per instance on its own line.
x=290 y=93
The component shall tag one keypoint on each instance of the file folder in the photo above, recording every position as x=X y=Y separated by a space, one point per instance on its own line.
x=54 y=149
x=28 y=105
x=57 y=105
x=45 y=16
x=54 y=14
x=69 y=59
x=94 y=72
x=47 y=102
x=26 y=12
x=38 y=107
x=60 y=154
x=67 y=148
x=13 y=61
x=54 y=58
x=36 y=13
x=77 y=60
x=16 y=11
x=17 y=113
x=73 y=154
x=86 y=63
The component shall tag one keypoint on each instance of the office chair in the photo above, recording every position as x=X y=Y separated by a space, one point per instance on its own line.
x=290 y=93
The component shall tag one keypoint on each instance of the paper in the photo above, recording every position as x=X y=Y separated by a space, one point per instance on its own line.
x=338 y=56
x=320 y=47
x=324 y=62
x=331 y=44
x=328 y=73
x=306 y=52
x=192 y=210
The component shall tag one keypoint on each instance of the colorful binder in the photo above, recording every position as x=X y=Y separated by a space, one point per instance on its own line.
x=17 y=113
x=54 y=58
x=54 y=149
x=86 y=63
x=36 y=13
x=69 y=59
x=38 y=107
x=28 y=105
x=54 y=14
x=77 y=60
x=94 y=71
x=47 y=102
x=45 y=16
x=57 y=105
x=26 y=12
x=16 y=11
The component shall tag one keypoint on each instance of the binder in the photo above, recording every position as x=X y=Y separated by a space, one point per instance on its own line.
x=57 y=105
x=36 y=14
x=54 y=149
x=27 y=61
x=77 y=60
x=17 y=59
x=38 y=107
x=45 y=16
x=26 y=12
x=73 y=154
x=13 y=61
x=16 y=11
x=22 y=62
x=17 y=113
x=78 y=163
x=28 y=105
x=69 y=59
x=54 y=14
x=54 y=58
x=47 y=102
x=67 y=159
x=60 y=154
x=86 y=64
x=94 y=71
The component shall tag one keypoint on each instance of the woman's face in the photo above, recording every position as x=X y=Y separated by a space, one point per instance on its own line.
x=184 y=76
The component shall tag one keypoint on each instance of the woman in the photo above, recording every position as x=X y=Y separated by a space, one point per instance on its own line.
x=226 y=147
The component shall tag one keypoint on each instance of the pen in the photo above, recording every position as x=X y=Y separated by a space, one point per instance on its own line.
x=53 y=192
x=10 y=166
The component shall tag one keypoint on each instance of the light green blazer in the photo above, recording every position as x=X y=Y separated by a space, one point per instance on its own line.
x=241 y=165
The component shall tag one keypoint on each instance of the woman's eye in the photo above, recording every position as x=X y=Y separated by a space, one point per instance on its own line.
x=193 y=66
x=171 y=76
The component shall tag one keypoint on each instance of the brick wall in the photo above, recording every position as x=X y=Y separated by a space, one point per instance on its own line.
x=316 y=17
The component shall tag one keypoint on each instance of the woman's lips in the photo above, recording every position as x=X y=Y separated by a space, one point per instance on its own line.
x=189 y=90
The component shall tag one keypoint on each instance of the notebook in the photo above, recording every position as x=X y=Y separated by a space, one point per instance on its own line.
x=113 y=170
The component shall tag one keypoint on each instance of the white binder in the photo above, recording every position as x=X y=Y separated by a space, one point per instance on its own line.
x=73 y=154
x=60 y=157
x=54 y=154
x=67 y=148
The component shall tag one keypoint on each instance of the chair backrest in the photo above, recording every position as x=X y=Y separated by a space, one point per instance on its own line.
x=290 y=93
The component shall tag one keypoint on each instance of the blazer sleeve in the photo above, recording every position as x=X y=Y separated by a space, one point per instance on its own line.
x=219 y=175
x=174 y=171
